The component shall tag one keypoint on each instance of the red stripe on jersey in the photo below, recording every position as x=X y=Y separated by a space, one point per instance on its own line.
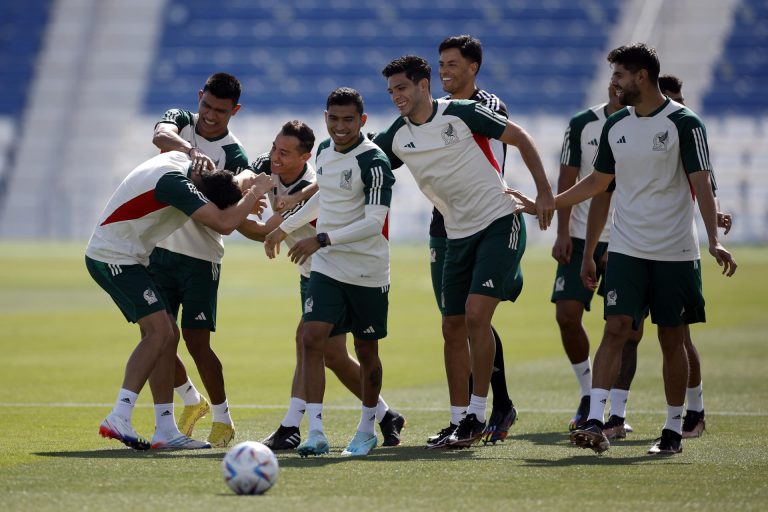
x=136 y=208
x=385 y=229
x=690 y=185
x=485 y=147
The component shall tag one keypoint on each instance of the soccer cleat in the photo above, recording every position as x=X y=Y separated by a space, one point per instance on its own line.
x=498 y=425
x=693 y=424
x=628 y=428
x=221 y=434
x=391 y=425
x=582 y=413
x=316 y=444
x=615 y=428
x=284 y=438
x=361 y=444
x=590 y=435
x=191 y=414
x=117 y=427
x=180 y=442
x=438 y=440
x=669 y=443
x=469 y=431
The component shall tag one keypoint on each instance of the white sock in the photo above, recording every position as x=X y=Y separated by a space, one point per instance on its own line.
x=695 y=398
x=221 y=413
x=674 y=419
x=165 y=422
x=188 y=393
x=295 y=413
x=125 y=402
x=583 y=376
x=477 y=405
x=315 y=413
x=367 y=420
x=619 y=399
x=457 y=414
x=381 y=409
x=597 y=400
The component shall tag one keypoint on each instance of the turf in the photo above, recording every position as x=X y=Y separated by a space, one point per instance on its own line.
x=64 y=347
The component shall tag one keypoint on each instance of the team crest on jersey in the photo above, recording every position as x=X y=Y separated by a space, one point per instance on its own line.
x=308 y=305
x=611 y=298
x=559 y=284
x=346 y=179
x=449 y=135
x=149 y=296
x=660 y=141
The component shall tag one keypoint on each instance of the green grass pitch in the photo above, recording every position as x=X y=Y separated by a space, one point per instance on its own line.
x=64 y=347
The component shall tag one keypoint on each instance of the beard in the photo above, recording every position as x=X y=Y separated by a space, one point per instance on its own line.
x=630 y=97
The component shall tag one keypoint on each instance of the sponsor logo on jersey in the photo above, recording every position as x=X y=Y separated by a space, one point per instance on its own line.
x=149 y=296
x=660 y=141
x=308 y=305
x=610 y=299
x=593 y=142
x=559 y=284
x=410 y=145
x=319 y=171
x=432 y=255
x=449 y=135
x=346 y=179
x=622 y=140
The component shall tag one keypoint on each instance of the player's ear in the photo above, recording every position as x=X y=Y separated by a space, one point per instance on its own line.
x=363 y=118
x=199 y=95
x=236 y=109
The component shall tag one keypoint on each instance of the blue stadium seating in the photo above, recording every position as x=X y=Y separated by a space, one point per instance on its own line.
x=540 y=55
x=21 y=29
x=740 y=77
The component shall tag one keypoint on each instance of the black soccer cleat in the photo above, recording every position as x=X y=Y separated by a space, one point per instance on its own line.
x=693 y=424
x=615 y=428
x=582 y=413
x=498 y=425
x=438 y=440
x=591 y=435
x=391 y=425
x=284 y=438
x=669 y=443
x=469 y=431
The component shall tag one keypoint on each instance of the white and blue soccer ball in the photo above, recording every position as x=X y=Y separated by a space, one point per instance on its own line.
x=250 y=468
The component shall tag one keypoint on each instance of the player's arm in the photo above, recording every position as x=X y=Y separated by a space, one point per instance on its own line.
x=596 y=219
x=561 y=250
x=304 y=215
x=166 y=137
x=706 y=199
x=288 y=202
x=227 y=220
x=257 y=230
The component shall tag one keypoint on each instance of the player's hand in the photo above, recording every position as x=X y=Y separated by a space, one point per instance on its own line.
x=588 y=273
x=200 y=160
x=272 y=242
x=303 y=249
x=259 y=207
x=725 y=221
x=522 y=202
x=545 y=208
x=562 y=249
x=724 y=259
x=286 y=203
x=244 y=180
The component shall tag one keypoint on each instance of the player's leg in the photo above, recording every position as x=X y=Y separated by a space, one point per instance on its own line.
x=693 y=422
x=503 y=412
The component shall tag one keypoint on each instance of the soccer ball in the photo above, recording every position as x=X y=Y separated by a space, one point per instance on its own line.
x=250 y=468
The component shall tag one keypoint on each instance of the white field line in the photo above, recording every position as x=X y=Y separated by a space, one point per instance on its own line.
x=357 y=407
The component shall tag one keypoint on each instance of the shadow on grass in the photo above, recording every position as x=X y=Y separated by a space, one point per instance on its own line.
x=592 y=459
x=562 y=438
x=128 y=453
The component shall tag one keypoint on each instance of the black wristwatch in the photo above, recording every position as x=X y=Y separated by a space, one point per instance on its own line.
x=322 y=239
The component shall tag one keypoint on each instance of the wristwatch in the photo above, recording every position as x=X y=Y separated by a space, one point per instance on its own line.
x=322 y=239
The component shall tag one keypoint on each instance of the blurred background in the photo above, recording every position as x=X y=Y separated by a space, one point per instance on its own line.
x=83 y=82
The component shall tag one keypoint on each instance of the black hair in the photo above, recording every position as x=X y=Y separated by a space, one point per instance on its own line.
x=670 y=83
x=414 y=67
x=635 y=57
x=470 y=47
x=219 y=187
x=301 y=131
x=346 y=96
x=224 y=86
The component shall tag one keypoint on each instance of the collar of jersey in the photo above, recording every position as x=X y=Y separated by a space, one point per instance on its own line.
x=663 y=105
x=298 y=178
x=226 y=132
x=434 y=112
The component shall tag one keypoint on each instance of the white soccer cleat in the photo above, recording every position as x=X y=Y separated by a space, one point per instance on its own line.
x=179 y=442
x=117 y=427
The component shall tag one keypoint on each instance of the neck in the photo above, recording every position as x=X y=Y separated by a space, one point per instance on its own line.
x=423 y=112
x=650 y=102
x=291 y=176
x=465 y=93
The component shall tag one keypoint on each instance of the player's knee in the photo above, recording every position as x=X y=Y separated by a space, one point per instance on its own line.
x=617 y=329
x=568 y=317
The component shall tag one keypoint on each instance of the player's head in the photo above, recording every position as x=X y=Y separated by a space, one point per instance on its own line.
x=460 y=61
x=344 y=116
x=672 y=87
x=217 y=103
x=408 y=80
x=635 y=69
x=218 y=186
x=291 y=149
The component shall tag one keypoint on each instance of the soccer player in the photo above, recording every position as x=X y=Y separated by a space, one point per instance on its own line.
x=445 y=144
x=460 y=61
x=287 y=163
x=656 y=149
x=349 y=280
x=154 y=200
x=569 y=295
x=187 y=265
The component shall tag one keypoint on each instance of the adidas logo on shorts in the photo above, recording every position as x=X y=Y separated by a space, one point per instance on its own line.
x=488 y=284
x=369 y=330
x=201 y=316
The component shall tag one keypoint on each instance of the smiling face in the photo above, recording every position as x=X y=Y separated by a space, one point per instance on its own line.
x=626 y=84
x=457 y=73
x=214 y=114
x=408 y=97
x=344 y=124
x=286 y=158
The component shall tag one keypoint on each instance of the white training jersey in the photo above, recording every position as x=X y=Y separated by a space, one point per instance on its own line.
x=579 y=149
x=307 y=177
x=152 y=202
x=195 y=239
x=651 y=158
x=451 y=160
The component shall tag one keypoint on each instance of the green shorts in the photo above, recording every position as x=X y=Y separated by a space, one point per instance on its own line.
x=671 y=289
x=341 y=328
x=188 y=283
x=437 y=247
x=568 y=285
x=486 y=263
x=130 y=286
x=361 y=308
